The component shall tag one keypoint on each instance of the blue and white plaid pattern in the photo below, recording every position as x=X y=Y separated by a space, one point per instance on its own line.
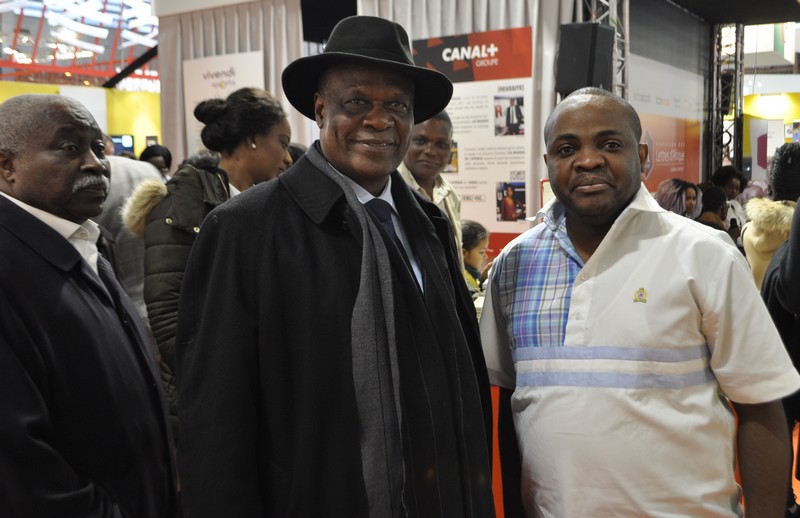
x=534 y=284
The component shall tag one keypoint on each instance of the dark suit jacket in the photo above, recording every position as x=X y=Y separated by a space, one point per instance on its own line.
x=82 y=422
x=518 y=112
x=268 y=414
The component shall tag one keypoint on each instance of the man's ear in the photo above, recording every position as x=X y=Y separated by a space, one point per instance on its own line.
x=7 y=166
x=319 y=109
x=643 y=152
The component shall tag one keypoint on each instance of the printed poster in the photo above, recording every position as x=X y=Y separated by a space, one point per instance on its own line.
x=216 y=76
x=669 y=102
x=490 y=109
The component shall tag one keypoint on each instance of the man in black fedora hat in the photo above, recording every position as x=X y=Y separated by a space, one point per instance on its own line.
x=328 y=356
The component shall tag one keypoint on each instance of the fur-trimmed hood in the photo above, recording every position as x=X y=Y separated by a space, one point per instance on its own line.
x=769 y=216
x=136 y=209
x=769 y=226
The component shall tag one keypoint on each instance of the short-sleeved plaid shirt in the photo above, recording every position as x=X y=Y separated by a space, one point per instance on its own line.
x=535 y=282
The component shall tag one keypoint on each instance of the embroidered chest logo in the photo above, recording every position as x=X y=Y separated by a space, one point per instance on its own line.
x=640 y=295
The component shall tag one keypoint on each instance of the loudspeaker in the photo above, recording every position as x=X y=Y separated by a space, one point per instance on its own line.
x=585 y=57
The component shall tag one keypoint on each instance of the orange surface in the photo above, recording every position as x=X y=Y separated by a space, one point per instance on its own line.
x=497 y=480
x=795 y=482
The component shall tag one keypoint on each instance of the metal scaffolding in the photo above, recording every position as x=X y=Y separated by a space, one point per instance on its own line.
x=725 y=117
x=614 y=13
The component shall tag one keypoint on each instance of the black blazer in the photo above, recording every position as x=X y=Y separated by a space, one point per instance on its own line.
x=517 y=112
x=82 y=422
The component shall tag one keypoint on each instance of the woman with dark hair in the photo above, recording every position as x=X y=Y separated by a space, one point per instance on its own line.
x=160 y=157
x=250 y=135
x=732 y=181
x=678 y=196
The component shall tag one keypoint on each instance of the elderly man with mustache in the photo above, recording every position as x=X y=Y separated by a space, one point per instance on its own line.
x=82 y=423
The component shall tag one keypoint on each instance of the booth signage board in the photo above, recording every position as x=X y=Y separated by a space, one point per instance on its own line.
x=490 y=167
x=669 y=102
x=216 y=77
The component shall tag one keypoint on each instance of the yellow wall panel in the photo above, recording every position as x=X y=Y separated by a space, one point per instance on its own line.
x=10 y=89
x=769 y=107
x=134 y=113
x=128 y=113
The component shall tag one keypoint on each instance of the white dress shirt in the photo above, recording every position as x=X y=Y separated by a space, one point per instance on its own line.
x=82 y=236
x=364 y=196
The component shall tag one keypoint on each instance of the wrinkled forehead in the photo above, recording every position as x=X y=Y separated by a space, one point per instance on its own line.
x=71 y=112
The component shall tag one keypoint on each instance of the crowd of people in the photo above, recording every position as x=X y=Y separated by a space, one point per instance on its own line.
x=762 y=224
x=275 y=330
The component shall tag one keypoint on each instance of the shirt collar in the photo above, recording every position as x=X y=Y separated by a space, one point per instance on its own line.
x=441 y=187
x=63 y=226
x=364 y=196
x=643 y=201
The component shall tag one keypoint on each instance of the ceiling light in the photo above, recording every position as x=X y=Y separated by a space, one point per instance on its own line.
x=56 y=19
x=10 y=6
x=138 y=38
x=147 y=20
x=87 y=11
x=97 y=49
x=64 y=33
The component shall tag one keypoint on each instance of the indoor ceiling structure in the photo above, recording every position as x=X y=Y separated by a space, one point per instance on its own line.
x=91 y=41
x=319 y=16
x=76 y=41
x=747 y=12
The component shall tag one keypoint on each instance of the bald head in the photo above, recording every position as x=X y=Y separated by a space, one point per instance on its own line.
x=20 y=117
x=52 y=156
x=584 y=96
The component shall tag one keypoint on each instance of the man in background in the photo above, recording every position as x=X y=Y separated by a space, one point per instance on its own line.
x=427 y=156
x=82 y=422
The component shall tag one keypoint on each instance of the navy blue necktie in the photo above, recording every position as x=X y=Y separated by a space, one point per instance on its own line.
x=383 y=211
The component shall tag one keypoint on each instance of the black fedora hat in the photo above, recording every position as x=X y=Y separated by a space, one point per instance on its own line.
x=371 y=41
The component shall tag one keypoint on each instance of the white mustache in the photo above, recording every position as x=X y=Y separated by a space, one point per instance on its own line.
x=89 y=181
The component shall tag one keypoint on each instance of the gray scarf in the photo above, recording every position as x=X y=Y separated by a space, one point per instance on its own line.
x=375 y=369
